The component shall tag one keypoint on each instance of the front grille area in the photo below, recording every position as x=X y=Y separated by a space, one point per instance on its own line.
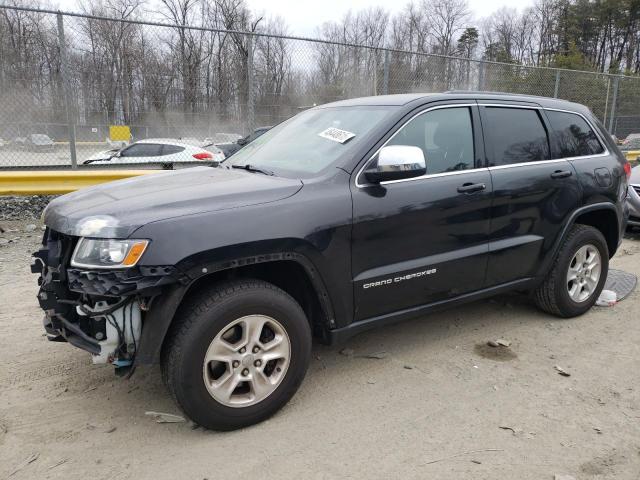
x=55 y=253
x=50 y=262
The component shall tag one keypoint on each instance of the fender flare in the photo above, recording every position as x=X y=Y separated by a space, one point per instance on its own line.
x=570 y=223
x=164 y=307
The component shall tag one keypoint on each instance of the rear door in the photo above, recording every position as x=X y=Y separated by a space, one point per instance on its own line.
x=533 y=193
x=422 y=240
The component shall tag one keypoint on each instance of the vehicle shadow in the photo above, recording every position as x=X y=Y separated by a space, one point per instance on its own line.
x=419 y=341
x=632 y=233
x=477 y=321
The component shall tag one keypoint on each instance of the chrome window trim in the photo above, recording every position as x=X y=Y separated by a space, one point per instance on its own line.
x=422 y=177
x=523 y=164
x=457 y=172
x=509 y=105
x=496 y=167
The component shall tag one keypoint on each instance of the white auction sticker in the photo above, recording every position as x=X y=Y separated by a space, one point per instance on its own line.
x=337 y=135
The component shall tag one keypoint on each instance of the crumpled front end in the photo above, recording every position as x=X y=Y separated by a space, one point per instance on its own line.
x=100 y=311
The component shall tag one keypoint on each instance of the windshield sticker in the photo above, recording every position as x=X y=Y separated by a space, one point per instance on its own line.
x=337 y=135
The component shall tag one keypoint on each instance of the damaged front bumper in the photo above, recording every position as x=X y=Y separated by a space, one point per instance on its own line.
x=100 y=311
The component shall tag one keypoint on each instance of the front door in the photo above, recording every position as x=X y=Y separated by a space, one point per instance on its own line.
x=425 y=239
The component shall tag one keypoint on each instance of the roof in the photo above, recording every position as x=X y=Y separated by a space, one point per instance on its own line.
x=382 y=100
x=164 y=141
x=404 y=99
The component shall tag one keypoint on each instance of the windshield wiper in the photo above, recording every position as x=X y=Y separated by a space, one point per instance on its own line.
x=251 y=168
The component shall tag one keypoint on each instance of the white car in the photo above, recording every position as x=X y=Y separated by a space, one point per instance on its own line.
x=156 y=150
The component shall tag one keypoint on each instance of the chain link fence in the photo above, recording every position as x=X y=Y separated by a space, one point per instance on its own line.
x=73 y=86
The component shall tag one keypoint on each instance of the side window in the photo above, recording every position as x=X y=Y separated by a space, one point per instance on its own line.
x=445 y=136
x=142 y=150
x=171 y=149
x=516 y=135
x=573 y=135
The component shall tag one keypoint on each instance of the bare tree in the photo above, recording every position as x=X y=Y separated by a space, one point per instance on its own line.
x=190 y=46
x=448 y=18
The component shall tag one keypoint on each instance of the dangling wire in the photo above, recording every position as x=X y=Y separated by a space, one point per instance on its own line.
x=112 y=321
x=133 y=336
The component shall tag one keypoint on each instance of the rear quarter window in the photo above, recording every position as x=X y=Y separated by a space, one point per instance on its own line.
x=171 y=149
x=573 y=136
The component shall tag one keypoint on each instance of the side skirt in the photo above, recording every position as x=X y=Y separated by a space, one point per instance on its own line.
x=340 y=335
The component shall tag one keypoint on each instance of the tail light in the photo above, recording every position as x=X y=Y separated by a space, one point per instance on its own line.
x=203 y=156
x=627 y=170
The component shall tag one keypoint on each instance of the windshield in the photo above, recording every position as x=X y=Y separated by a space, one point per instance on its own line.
x=311 y=141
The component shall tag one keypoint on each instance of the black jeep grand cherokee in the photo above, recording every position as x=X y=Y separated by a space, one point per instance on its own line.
x=347 y=216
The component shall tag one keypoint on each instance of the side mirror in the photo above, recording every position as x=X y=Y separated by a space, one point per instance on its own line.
x=397 y=162
x=242 y=142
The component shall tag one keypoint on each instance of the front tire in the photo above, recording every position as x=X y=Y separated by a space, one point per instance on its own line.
x=236 y=354
x=578 y=275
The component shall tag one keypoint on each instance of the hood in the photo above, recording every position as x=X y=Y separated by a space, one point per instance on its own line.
x=117 y=209
x=105 y=155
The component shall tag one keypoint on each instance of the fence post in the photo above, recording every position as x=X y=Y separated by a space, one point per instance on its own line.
x=481 y=74
x=557 y=88
x=250 y=86
x=385 y=73
x=616 y=80
x=66 y=88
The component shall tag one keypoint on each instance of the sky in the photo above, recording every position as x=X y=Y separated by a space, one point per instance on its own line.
x=303 y=16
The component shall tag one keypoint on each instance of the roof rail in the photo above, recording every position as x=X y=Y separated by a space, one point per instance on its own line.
x=484 y=92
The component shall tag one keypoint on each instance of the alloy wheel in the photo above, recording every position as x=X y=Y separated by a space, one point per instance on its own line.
x=584 y=273
x=246 y=361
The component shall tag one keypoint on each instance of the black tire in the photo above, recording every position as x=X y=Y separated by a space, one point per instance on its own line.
x=552 y=296
x=197 y=324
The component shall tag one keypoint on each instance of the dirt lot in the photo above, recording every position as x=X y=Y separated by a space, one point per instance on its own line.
x=439 y=404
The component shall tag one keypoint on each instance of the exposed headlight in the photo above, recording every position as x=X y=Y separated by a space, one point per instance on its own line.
x=108 y=253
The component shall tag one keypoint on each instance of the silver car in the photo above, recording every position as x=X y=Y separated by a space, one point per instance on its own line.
x=633 y=197
x=156 y=150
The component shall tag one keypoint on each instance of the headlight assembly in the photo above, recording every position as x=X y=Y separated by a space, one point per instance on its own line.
x=107 y=253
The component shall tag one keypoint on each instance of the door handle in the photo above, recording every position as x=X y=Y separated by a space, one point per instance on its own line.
x=471 y=187
x=561 y=174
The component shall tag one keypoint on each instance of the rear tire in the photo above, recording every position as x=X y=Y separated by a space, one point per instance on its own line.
x=236 y=354
x=572 y=286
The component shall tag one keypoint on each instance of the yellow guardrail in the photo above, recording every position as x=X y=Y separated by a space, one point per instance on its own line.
x=54 y=182
x=632 y=156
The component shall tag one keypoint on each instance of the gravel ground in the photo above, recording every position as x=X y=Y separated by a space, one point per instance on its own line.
x=23 y=208
x=438 y=403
